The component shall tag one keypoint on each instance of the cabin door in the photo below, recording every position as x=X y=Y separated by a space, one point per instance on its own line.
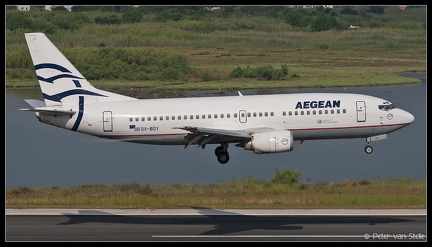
x=361 y=111
x=107 y=121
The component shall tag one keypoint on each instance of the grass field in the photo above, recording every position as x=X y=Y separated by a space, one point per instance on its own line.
x=200 y=53
x=315 y=68
x=236 y=193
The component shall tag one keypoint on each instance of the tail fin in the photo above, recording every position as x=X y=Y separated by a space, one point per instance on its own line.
x=59 y=80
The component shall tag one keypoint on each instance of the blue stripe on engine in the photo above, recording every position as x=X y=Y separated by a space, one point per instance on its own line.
x=80 y=113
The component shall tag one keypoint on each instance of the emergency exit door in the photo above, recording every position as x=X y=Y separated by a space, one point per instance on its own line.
x=107 y=121
x=361 y=111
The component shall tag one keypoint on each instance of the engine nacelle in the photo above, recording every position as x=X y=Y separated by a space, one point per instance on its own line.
x=271 y=142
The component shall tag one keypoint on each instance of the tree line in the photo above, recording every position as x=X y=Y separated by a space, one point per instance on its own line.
x=316 y=19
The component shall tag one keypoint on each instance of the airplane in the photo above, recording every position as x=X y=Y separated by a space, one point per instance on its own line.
x=260 y=123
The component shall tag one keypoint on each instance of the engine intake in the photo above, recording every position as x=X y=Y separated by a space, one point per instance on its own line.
x=271 y=142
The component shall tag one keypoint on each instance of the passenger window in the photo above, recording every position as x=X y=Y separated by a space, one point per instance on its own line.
x=137 y=119
x=172 y=117
x=296 y=113
x=167 y=118
x=130 y=119
x=338 y=111
x=184 y=116
x=284 y=113
x=215 y=115
x=235 y=115
x=325 y=111
x=197 y=116
x=228 y=115
x=260 y=114
x=332 y=111
x=179 y=117
x=149 y=118
x=302 y=112
x=249 y=114
x=161 y=118
x=272 y=114
x=320 y=112
x=209 y=116
x=203 y=116
x=266 y=114
x=344 y=111
x=155 y=118
x=307 y=112
x=191 y=117
x=314 y=112
x=222 y=115
x=290 y=113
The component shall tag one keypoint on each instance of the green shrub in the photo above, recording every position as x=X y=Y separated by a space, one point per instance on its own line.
x=264 y=72
x=132 y=15
x=111 y=19
x=286 y=177
x=135 y=63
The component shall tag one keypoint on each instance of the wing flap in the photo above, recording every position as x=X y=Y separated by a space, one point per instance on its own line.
x=203 y=135
x=221 y=132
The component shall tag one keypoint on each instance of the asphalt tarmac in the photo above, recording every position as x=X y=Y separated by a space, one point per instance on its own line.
x=214 y=225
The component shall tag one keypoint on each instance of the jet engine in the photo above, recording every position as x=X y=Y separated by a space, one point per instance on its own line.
x=271 y=142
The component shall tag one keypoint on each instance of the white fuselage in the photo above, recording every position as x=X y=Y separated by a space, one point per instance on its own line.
x=309 y=116
x=261 y=123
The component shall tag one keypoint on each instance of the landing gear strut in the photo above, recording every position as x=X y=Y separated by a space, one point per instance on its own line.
x=368 y=149
x=221 y=153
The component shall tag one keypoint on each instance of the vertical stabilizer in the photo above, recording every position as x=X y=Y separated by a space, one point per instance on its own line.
x=61 y=83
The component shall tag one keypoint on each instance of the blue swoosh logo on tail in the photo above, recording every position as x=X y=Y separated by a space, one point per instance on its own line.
x=51 y=66
x=59 y=96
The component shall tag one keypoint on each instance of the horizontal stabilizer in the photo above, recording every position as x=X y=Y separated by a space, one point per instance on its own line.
x=40 y=106
x=51 y=112
x=35 y=103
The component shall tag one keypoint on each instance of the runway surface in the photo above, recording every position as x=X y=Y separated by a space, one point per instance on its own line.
x=214 y=225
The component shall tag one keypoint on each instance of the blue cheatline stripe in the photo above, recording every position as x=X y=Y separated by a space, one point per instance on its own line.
x=58 y=97
x=80 y=113
x=51 y=66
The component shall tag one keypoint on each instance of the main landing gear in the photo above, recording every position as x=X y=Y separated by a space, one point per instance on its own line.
x=221 y=153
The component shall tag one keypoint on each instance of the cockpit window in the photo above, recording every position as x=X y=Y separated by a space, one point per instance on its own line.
x=386 y=106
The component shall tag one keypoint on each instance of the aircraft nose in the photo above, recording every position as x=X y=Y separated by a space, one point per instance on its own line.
x=408 y=117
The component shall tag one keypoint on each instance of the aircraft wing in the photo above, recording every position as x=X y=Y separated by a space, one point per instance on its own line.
x=203 y=135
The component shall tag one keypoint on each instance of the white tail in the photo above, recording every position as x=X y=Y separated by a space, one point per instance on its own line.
x=61 y=83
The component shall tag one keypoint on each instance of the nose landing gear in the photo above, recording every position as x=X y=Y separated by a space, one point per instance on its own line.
x=221 y=153
x=368 y=149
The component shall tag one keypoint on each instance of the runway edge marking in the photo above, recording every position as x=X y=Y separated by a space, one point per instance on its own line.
x=263 y=212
